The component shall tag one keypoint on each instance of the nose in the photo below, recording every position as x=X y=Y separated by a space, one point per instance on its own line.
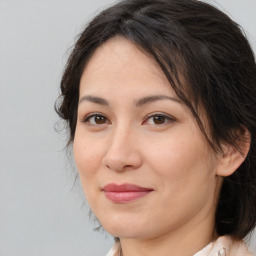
x=122 y=153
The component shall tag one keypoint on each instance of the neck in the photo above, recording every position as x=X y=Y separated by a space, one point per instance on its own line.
x=183 y=241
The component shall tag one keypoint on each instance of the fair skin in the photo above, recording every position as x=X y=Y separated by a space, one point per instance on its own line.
x=124 y=135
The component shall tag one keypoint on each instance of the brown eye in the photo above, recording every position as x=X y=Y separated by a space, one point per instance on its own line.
x=96 y=119
x=159 y=119
x=100 y=119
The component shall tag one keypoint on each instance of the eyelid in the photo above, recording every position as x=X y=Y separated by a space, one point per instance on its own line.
x=87 y=117
x=167 y=116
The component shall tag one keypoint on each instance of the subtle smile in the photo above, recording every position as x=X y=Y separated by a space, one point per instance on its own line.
x=125 y=192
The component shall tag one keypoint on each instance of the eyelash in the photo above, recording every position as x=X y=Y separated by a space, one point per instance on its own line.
x=167 y=119
x=88 y=117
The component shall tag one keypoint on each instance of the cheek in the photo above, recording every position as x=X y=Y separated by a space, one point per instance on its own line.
x=182 y=162
x=186 y=179
x=87 y=156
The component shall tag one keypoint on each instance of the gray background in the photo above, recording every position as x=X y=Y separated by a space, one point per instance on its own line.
x=40 y=212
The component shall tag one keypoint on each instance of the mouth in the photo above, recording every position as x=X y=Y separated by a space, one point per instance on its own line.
x=125 y=193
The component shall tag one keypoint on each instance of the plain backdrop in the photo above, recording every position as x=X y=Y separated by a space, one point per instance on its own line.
x=41 y=212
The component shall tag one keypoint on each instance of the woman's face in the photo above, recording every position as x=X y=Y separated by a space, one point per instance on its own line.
x=145 y=166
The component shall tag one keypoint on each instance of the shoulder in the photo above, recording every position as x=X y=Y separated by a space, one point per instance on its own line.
x=239 y=248
x=231 y=247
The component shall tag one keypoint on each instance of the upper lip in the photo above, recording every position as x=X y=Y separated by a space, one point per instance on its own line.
x=126 y=187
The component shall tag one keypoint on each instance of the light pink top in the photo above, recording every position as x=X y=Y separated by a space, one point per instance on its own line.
x=223 y=246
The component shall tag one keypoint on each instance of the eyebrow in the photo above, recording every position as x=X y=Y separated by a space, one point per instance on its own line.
x=94 y=99
x=153 y=98
x=138 y=103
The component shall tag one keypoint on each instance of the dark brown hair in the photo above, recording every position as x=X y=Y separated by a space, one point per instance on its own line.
x=211 y=52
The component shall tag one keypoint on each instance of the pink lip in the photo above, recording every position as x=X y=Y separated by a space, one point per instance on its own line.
x=125 y=192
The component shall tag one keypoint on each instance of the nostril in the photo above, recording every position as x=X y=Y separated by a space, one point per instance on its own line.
x=128 y=167
x=119 y=167
x=122 y=160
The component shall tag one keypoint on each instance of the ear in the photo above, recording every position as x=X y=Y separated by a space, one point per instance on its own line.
x=232 y=157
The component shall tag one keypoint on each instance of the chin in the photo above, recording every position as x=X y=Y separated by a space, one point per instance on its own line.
x=122 y=227
x=127 y=233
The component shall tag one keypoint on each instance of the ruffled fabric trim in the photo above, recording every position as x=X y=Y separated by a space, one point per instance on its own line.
x=223 y=246
x=114 y=250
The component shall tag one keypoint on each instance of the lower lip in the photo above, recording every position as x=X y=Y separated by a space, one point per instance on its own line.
x=124 y=197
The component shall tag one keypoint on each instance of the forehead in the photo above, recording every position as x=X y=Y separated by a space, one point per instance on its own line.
x=119 y=50
x=120 y=62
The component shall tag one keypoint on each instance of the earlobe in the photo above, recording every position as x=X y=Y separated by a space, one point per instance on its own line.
x=232 y=156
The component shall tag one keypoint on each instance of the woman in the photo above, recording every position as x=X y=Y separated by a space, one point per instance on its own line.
x=159 y=97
